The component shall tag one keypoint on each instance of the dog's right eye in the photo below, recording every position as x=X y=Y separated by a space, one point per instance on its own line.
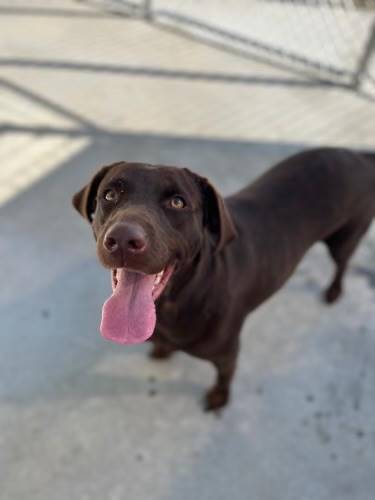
x=110 y=195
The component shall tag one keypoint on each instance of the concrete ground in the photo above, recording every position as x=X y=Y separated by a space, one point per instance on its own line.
x=83 y=419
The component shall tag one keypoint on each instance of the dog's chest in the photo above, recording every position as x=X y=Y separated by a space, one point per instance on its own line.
x=182 y=324
x=174 y=319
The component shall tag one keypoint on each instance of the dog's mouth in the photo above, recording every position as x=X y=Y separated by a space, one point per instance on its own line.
x=128 y=316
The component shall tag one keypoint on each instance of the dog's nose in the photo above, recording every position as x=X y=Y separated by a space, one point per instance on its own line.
x=128 y=237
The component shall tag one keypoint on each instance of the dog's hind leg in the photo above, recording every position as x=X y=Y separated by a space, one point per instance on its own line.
x=341 y=246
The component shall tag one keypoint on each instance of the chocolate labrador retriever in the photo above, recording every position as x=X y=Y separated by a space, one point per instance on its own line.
x=174 y=244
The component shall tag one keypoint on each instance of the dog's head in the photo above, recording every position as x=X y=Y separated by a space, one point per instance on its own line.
x=147 y=221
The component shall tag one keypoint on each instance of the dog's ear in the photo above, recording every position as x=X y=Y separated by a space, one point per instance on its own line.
x=216 y=216
x=85 y=200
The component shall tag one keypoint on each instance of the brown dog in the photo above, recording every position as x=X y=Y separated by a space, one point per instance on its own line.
x=170 y=238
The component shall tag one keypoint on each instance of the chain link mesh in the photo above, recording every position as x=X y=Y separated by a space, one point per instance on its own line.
x=330 y=40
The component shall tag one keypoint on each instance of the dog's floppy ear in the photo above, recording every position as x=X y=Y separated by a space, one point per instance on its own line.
x=216 y=216
x=85 y=200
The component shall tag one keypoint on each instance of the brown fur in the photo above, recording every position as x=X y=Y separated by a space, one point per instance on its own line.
x=231 y=254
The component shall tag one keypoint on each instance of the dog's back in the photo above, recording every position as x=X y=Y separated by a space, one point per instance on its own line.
x=318 y=195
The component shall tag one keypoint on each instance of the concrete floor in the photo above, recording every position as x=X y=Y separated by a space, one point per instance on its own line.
x=83 y=419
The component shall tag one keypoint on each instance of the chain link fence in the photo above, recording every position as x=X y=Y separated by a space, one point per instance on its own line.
x=329 y=40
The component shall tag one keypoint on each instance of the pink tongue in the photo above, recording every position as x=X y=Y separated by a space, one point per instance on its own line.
x=128 y=316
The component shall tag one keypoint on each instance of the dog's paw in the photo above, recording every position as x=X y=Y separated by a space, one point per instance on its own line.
x=216 y=398
x=332 y=294
x=160 y=352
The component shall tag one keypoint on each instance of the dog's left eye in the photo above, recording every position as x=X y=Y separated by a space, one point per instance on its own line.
x=177 y=202
x=110 y=195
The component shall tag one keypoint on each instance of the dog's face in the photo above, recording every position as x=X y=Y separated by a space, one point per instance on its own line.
x=147 y=218
x=150 y=220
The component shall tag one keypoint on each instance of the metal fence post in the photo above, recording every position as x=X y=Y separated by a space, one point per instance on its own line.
x=147 y=9
x=365 y=59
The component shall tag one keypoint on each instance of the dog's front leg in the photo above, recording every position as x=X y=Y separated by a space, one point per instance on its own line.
x=219 y=395
x=161 y=348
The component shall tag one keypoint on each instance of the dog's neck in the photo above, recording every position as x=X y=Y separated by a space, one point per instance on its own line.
x=193 y=286
x=189 y=299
